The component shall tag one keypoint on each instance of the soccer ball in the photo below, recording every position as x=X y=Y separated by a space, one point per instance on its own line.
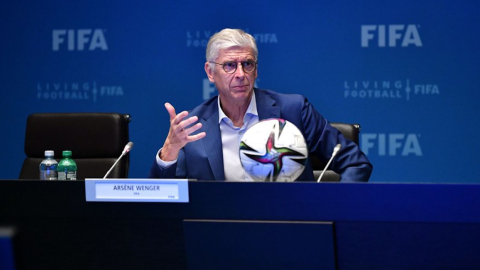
x=273 y=150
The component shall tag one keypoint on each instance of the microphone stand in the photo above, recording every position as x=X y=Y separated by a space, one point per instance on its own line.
x=335 y=151
x=127 y=149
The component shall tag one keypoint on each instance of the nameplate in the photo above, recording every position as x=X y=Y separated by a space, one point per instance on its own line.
x=136 y=190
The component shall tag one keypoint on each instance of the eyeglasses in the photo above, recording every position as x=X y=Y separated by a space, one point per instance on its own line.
x=231 y=66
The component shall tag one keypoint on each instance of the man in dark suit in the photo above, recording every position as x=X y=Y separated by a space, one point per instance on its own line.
x=203 y=144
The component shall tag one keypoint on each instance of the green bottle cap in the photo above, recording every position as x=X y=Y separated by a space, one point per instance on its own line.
x=67 y=153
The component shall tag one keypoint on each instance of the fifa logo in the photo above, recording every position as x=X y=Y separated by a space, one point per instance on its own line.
x=79 y=40
x=390 y=35
x=393 y=144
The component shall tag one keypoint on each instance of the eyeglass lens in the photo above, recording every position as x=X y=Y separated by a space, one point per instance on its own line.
x=231 y=67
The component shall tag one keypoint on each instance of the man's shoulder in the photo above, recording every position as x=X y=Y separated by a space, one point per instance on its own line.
x=207 y=106
x=279 y=97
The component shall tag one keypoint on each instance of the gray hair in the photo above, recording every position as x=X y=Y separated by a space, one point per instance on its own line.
x=229 y=38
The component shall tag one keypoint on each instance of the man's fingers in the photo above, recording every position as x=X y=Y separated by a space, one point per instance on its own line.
x=192 y=138
x=193 y=128
x=176 y=119
x=170 y=110
x=196 y=137
x=183 y=125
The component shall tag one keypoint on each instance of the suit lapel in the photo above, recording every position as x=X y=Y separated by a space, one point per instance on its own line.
x=266 y=106
x=213 y=141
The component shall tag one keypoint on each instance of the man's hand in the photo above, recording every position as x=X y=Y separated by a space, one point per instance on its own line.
x=179 y=133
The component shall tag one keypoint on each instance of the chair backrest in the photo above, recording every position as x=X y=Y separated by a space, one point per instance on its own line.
x=95 y=139
x=349 y=131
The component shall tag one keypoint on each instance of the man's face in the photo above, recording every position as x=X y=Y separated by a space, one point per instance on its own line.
x=237 y=86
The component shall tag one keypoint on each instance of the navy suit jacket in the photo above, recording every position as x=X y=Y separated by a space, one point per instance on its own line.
x=203 y=159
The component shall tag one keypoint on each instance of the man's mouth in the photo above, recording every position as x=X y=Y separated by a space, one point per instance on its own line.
x=241 y=87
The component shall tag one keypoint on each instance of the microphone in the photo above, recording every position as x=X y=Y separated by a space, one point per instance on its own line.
x=335 y=151
x=127 y=149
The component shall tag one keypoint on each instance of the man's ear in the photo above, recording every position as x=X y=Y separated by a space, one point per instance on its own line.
x=209 y=72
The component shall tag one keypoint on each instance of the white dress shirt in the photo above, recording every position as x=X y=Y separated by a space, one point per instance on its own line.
x=231 y=137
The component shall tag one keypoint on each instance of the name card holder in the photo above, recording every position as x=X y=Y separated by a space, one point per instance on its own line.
x=136 y=190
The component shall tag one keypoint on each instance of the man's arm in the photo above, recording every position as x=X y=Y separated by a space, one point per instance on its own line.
x=350 y=163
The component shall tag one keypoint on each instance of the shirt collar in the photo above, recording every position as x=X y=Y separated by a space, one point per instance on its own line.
x=252 y=109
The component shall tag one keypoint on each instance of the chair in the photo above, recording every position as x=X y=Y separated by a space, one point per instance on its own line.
x=95 y=139
x=349 y=131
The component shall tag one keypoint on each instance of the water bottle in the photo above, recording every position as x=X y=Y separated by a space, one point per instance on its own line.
x=48 y=167
x=67 y=168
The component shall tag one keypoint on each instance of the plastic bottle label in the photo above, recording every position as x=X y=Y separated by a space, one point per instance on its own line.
x=48 y=175
x=67 y=175
x=71 y=175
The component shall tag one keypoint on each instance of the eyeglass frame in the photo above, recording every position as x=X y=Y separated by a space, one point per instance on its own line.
x=236 y=66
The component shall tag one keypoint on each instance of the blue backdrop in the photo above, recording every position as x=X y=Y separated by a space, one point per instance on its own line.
x=407 y=71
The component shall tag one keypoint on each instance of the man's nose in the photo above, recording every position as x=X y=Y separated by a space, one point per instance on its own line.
x=239 y=72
